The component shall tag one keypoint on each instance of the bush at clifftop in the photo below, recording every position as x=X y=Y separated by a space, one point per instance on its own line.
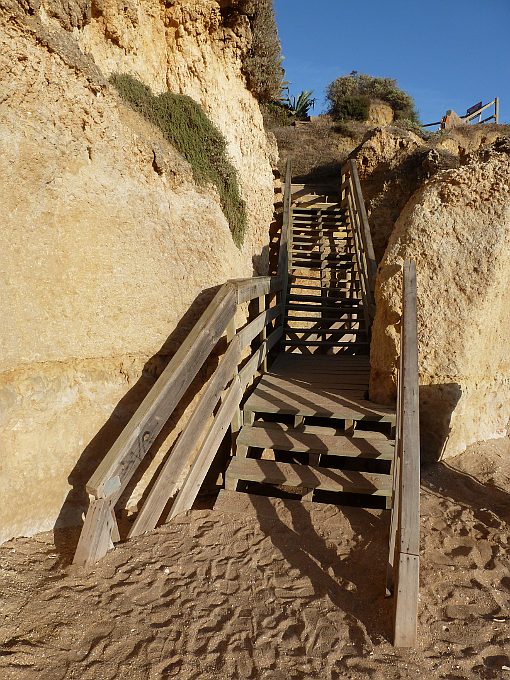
x=350 y=97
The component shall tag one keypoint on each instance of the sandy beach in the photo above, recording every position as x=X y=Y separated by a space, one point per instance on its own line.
x=272 y=589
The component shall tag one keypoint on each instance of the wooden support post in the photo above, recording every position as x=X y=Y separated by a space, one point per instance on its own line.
x=237 y=420
x=406 y=600
x=189 y=491
x=408 y=508
x=314 y=460
x=98 y=532
x=263 y=336
x=496 y=109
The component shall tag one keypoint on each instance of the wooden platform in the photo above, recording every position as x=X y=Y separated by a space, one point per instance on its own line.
x=323 y=386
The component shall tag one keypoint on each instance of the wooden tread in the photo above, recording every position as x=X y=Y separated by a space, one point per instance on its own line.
x=326 y=330
x=358 y=344
x=318 y=298
x=324 y=319
x=285 y=395
x=274 y=436
x=319 y=289
x=310 y=477
x=294 y=306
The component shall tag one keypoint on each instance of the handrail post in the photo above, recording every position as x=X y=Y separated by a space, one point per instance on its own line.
x=407 y=558
x=352 y=198
x=285 y=255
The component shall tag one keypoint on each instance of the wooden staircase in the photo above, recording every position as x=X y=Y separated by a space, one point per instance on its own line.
x=289 y=391
x=309 y=430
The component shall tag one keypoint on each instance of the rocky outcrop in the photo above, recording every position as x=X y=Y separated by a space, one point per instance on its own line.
x=393 y=163
x=380 y=113
x=110 y=250
x=457 y=229
x=390 y=162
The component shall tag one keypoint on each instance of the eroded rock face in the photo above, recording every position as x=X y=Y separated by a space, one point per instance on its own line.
x=393 y=163
x=457 y=229
x=380 y=113
x=110 y=251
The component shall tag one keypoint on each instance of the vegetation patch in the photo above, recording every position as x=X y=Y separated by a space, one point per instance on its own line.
x=350 y=96
x=185 y=125
x=263 y=63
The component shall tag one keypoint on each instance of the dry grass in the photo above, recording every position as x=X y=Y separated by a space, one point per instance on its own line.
x=317 y=148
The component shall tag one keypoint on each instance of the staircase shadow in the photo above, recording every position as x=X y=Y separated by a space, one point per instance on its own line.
x=358 y=585
x=489 y=504
x=67 y=525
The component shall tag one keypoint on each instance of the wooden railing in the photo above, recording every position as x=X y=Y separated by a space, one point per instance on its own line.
x=468 y=117
x=404 y=549
x=352 y=200
x=478 y=113
x=217 y=409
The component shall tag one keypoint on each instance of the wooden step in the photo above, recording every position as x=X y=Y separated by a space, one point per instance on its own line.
x=359 y=344
x=322 y=288
x=351 y=310
x=342 y=266
x=309 y=229
x=360 y=323
x=348 y=299
x=310 y=256
x=326 y=330
x=273 y=396
x=274 y=436
x=310 y=477
x=320 y=299
x=312 y=240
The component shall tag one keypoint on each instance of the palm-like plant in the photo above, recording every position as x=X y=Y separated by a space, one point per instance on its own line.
x=301 y=105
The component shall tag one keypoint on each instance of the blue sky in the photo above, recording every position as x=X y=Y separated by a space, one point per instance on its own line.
x=448 y=54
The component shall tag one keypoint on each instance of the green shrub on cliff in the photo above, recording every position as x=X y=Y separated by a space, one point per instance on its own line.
x=185 y=125
x=349 y=97
x=263 y=63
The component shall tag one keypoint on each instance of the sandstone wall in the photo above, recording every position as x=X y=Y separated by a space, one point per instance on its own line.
x=457 y=229
x=393 y=163
x=110 y=251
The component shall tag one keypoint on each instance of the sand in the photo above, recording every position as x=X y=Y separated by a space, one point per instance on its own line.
x=271 y=589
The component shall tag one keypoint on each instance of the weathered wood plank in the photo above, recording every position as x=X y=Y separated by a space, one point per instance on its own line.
x=314 y=402
x=188 y=493
x=97 y=534
x=274 y=436
x=139 y=434
x=262 y=307
x=271 y=472
x=166 y=483
x=255 y=327
x=321 y=383
x=410 y=463
x=248 y=371
x=248 y=289
x=406 y=600
x=365 y=227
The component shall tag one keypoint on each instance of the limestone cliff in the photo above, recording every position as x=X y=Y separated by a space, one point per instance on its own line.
x=110 y=250
x=457 y=229
x=393 y=163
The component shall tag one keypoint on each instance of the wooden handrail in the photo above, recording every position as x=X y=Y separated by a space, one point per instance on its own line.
x=352 y=198
x=121 y=462
x=468 y=117
x=404 y=557
x=286 y=235
x=478 y=112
